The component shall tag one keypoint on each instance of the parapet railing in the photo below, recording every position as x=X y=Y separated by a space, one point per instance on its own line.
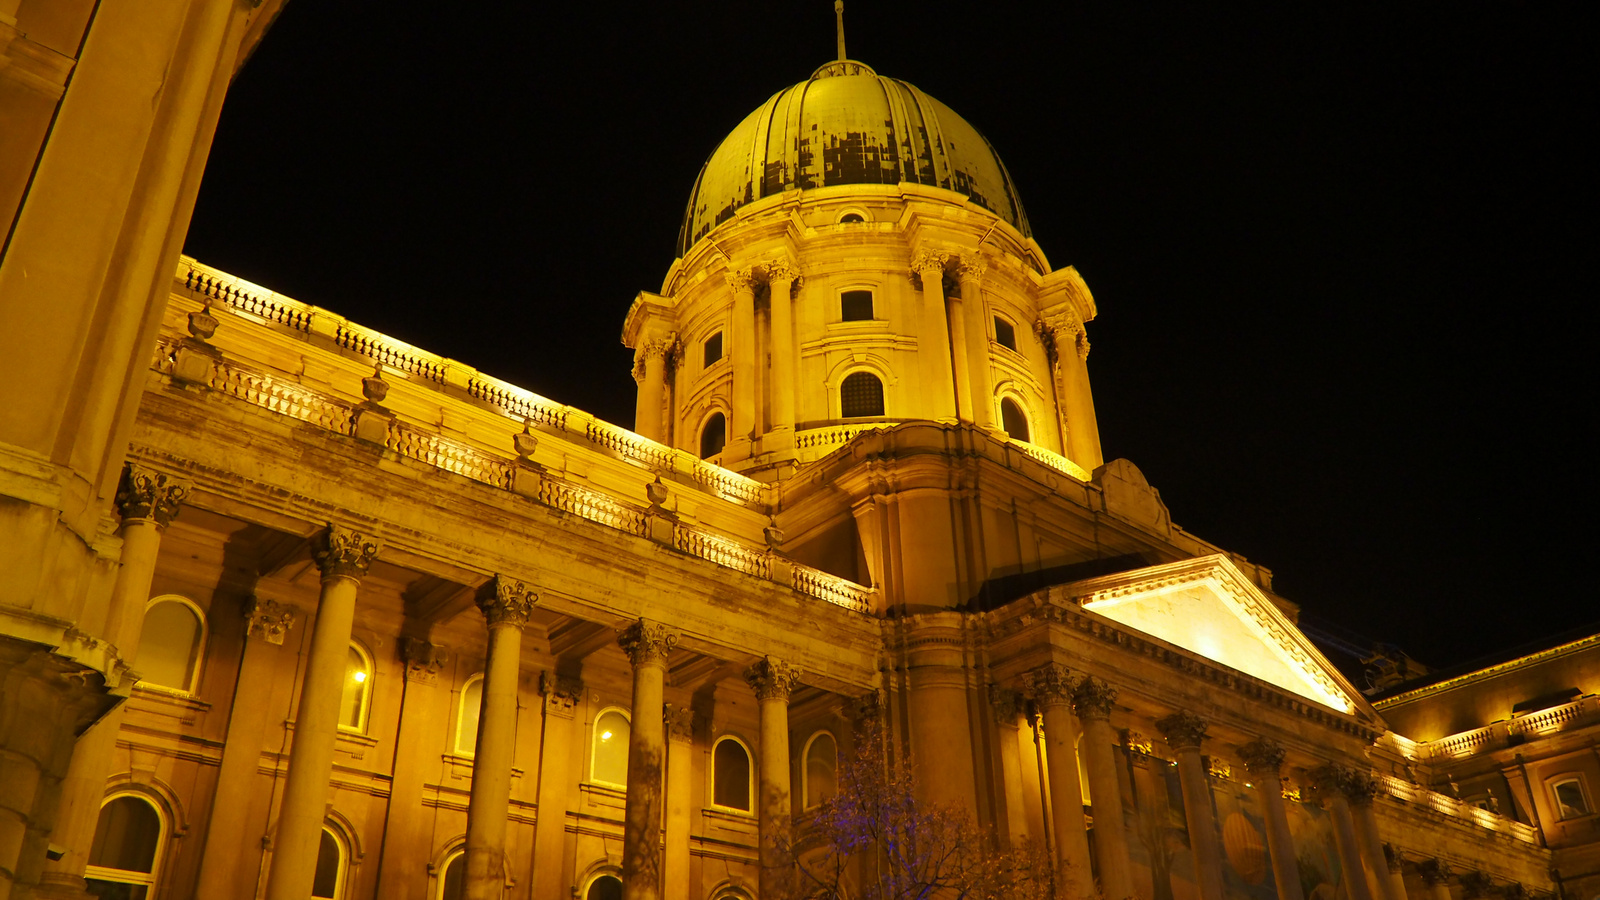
x=1054 y=460
x=1450 y=806
x=1581 y=711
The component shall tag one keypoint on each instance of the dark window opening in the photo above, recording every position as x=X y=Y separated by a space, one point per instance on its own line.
x=855 y=306
x=731 y=776
x=861 y=394
x=851 y=219
x=713 y=436
x=713 y=349
x=1013 y=420
x=1004 y=334
x=606 y=887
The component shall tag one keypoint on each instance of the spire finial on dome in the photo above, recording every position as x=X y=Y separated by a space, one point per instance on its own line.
x=838 y=15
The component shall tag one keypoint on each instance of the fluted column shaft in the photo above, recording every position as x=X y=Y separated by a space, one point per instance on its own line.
x=147 y=502
x=780 y=281
x=561 y=697
x=506 y=605
x=773 y=679
x=1052 y=687
x=933 y=338
x=680 y=752
x=976 y=340
x=229 y=837
x=1184 y=732
x=743 y=352
x=343 y=556
x=1092 y=701
x=647 y=645
x=1264 y=761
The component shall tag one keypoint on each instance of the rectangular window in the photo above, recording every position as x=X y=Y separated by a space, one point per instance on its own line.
x=1571 y=803
x=855 y=306
x=713 y=349
x=1004 y=334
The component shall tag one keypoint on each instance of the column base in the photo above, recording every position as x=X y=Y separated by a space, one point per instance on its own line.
x=57 y=886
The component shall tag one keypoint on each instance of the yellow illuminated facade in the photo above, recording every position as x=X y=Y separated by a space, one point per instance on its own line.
x=291 y=608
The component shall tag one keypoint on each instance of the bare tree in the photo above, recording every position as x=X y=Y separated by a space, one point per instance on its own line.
x=873 y=840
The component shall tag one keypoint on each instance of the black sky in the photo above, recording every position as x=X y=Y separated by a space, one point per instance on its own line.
x=1343 y=257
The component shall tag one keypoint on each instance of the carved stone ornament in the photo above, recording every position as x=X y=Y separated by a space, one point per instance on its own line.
x=1093 y=699
x=1183 y=730
x=1435 y=871
x=774 y=536
x=561 y=694
x=202 y=324
x=868 y=708
x=929 y=261
x=267 y=619
x=525 y=442
x=656 y=493
x=148 y=494
x=740 y=280
x=659 y=348
x=1262 y=757
x=782 y=270
x=424 y=660
x=772 y=678
x=971 y=267
x=1007 y=704
x=344 y=552
x=647 y=642
x=373 y=387
x=1392 y=857
x=679 y=721
x=505 y=601
x=1475 y=884
x=1052 y=684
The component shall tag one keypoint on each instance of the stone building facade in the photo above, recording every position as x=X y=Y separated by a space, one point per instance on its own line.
x=293 y=608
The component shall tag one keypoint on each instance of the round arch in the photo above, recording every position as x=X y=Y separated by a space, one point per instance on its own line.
x=173 y=652
x=717 y=785
x=806 y=769
x=600 y=740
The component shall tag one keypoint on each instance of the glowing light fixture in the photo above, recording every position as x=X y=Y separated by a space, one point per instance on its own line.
x=358 y=677
x=605 y=735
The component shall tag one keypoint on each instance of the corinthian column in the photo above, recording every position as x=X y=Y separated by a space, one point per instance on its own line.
x=1331 y=785
x=147 y=502
x=1263 y=759
x=969 y=272
x=933 y=337
x=680 y=737
x=343 y=555
x=1184 y=731
x=1092 y=701
x=1067 y=345
x=781 y=278
x=1436 y=874
x=561 y=699
x=1360 y=790
x=506 y=604
x=1007 y=705
x=647 y=644
x=651 y=367
x=772 y=680
x=743 y=354
x=1052 y=687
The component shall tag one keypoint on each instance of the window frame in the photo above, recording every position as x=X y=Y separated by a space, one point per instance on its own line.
x=750 y=776
x=594 y=745
x=197 y=650
x=705 y=349
x=461 y=717
x=883 y=393
x=805 y=768
x=1556 y=781
x=163 y=831
x=700 y=434
x=364 y=712
x=1011 y=326
x=1022 y=410
x=588 y=883
x=450 y=856
x=341 y=870
x=872 y=304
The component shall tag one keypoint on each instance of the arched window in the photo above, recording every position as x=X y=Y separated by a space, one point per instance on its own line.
x=329 y=881
x=454 y=880
x=353 y=707
x=730 y=781
x=713 y=435
x=821 y=772
x=861 y=394
x=467 y=719
x=851 y=218
x=611 y=731
x=126 y=851
x=170 y=644
x=606 y=887
x=1013 y=419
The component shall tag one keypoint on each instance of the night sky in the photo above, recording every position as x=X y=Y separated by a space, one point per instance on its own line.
x=1343 y=259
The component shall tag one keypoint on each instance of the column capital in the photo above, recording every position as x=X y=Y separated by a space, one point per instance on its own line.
x=740 y=279
x=506 y=602
x=648 y=642
x=343 y=552
x=561 y=694
x=772 y=678
x=267 y=619
x=971 y=267
x=1183 y=730
x=1052 y=684
x=659 y=347
x=930 y=261
x=424 y=660
x=1435 y=871
x=1475 y=883
x=148 y=494
x=679 y=721
x=867 y=709
x=1007 y=703
x=1354 y=785
x=1093 y=699
x=1393 y=858
x=1262 y=756
x=782 y=270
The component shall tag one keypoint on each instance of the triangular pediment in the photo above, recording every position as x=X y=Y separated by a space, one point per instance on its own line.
x=1207 y=606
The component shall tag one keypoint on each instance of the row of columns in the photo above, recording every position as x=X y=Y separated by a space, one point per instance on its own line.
x=953 y=335
x=1071 y=706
